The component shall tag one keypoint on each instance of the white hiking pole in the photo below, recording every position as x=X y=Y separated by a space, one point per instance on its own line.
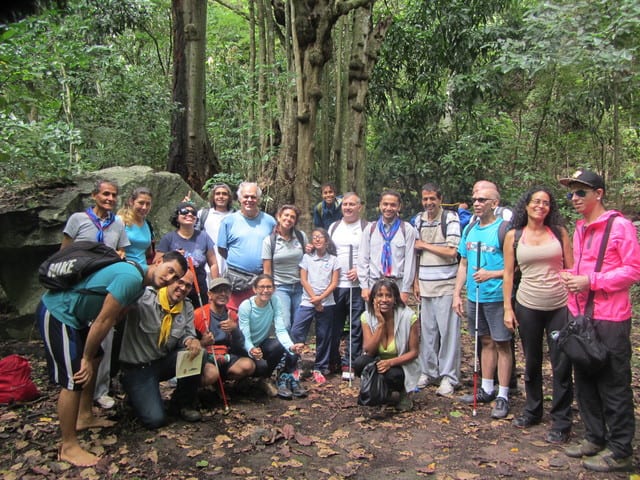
x=475 y=347
x=349 y=350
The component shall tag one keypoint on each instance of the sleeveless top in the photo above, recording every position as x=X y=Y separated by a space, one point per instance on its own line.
x=540 y=287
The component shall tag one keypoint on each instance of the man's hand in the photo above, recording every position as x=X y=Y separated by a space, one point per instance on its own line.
x=405 y=297
x=207 y=339
x=458 y=305
x=227 y=325
x=194 y=347
x=365 y=294
x=483 y=275
x=85 y=373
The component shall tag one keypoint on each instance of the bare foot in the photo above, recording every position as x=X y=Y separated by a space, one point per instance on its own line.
x=77 y=456
x=92 y=421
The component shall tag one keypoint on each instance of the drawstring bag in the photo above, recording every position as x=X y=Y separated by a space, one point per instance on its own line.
x=15 y=380
x=373 y=387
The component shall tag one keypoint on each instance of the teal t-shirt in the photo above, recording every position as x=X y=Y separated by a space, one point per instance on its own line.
x=491 y=258
x=76 y=309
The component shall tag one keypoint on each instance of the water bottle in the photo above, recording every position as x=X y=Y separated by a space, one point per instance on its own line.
x=555 y=334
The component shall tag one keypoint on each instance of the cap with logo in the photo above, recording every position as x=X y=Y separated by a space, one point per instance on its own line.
x=584 y=177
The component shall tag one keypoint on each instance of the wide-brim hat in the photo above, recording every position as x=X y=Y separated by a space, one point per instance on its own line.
x=584 y=177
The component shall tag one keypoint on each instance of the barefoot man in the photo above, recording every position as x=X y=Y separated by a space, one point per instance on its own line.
x=74 y=322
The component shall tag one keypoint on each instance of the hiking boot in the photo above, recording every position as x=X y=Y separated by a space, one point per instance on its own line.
x=481 y=397
x=347 y=374
x=267 y=387
x=523 y=421
x=405 y=404
x=318 y=377
x=606 y=462
x=501 y=408
x=284 y=389
x=583 y=449
x=189 y=414
x=445 y=389
x=557 y=437
x=297 y=390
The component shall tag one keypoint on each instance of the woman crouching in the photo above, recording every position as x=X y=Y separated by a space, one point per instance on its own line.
x=391 y=339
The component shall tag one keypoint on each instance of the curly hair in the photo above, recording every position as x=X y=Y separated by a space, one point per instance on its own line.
x=389 y=285
x=520 y=217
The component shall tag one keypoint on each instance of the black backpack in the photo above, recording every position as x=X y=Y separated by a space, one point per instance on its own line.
x=67 y=267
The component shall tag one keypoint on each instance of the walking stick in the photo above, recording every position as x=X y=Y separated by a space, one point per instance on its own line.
x=350 y=350
x=475 y=348
x=206 y=322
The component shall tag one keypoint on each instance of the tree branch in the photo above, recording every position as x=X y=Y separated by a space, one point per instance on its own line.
x=235 y=10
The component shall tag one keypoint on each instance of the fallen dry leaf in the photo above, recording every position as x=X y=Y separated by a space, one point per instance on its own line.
x=241 y=470
x=303 y=440
x=194 y=453
x=324 y=452
x=288 y=432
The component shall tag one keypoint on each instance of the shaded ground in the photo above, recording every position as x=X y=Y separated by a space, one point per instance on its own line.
x=325 y=436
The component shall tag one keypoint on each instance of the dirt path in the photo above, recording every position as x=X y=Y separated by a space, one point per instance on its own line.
x=325 y=436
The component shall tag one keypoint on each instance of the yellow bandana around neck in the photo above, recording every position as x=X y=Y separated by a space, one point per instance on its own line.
x=167 y=320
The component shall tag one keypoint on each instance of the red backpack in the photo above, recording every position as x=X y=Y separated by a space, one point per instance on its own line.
x=15 y=380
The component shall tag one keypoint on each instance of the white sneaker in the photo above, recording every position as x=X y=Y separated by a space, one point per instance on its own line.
x=445 y=389
x=423 y=381
x=106 y=402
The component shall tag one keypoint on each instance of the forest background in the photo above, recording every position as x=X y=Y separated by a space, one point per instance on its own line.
x=368 y=94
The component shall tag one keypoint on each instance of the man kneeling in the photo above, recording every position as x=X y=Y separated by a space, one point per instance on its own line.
x=157 y=328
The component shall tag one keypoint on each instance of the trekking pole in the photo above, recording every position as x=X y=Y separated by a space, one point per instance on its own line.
x=350 y=349
x=206 y=322
x=475 y=347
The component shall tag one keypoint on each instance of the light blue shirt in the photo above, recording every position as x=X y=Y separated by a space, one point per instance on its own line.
x=242 y=237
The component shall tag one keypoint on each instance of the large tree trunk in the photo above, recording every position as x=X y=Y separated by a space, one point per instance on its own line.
x=366 y=44
x=190 y=155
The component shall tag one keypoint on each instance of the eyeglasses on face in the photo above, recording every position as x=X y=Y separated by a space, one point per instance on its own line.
x=481 y=200
x=264 y=287
x=317 y=237
x=187 y=211
x=580 y=193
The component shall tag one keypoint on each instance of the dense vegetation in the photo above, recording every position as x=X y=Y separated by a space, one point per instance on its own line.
x=517 y=91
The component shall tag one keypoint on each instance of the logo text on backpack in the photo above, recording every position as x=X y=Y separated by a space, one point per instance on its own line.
x=61 y=268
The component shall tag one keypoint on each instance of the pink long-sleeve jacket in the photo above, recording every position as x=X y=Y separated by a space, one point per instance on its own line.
x=620 y=269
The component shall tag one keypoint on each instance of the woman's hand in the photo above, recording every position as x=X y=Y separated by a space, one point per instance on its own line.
x=510 y=320
x=256 y=353
x=383 y=366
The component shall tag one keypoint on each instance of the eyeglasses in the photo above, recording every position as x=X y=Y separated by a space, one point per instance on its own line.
x=580 y=193
x=481 y=200
x=317 y=237
x=537 y=201
x=187 y=211
x=264 y=287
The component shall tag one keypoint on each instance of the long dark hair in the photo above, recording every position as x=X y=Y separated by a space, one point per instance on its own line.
x=520 y=217
x=393 y=288
x=330 y=246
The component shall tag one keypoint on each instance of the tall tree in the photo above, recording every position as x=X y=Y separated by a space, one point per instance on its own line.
x=191 y=154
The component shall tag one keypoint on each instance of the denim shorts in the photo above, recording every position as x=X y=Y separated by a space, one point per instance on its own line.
x=490 y=320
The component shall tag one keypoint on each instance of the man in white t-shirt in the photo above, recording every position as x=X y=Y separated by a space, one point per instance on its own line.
x=346 y=234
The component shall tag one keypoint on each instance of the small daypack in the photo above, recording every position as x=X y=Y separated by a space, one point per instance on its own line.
x=68 y=266
x=15 y=380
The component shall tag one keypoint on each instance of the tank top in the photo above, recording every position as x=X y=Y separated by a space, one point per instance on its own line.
x=540 y=287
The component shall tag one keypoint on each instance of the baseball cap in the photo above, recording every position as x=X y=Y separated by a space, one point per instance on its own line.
x=584 y=177
x=217 y=282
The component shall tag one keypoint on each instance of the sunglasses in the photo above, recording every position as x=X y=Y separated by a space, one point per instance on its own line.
x=187 y=211
x=481 y=200
x=579 y=193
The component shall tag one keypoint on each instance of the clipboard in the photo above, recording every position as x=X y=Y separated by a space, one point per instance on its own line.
x=185 y=366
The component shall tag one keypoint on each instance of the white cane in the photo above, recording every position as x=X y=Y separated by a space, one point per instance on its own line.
x=350 y=349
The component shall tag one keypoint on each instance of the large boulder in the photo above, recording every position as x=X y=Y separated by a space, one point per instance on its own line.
x=31 y=224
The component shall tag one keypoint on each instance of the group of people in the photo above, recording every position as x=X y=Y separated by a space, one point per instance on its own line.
x=249 y=276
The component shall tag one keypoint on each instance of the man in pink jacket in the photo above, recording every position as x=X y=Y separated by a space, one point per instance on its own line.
x=605 y=397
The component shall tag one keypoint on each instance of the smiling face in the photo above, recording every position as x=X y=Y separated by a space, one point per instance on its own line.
x=105 y=199
x=287 y=219
x=431 y=203
x=328 y=195
x=484 y=201
x=178 y=290
x=384 y=300
x=389 y=208
x=219 y=296
x=319 y=240
x=585 y=199
x=187 y=216
x=539 y=206
x=249 y=201
x=351 y=208
x=141 y=206
x=264 y=290
x=221 y=199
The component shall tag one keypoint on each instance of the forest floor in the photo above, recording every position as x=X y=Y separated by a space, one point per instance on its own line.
x=324 y=436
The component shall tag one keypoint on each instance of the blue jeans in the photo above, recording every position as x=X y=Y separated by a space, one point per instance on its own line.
x=141 y=383
x=324 y=331
x=349 y=304
x=290 y=296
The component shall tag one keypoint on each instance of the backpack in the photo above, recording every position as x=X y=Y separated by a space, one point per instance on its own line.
x=418 y=222
x=202 y=217
x=403 y=227
x=319 y=205
x=15 y=380
x=334 y=225
x=272 y=240
x=502 y=231
x=68 y=266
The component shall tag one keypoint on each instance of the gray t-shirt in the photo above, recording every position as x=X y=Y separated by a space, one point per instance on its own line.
x=286 y=258
x=81 y=227
x=319 y=273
